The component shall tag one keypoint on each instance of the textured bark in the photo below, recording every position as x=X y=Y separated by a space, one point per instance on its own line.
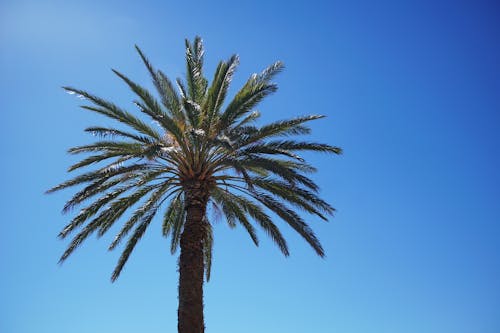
x=191 y=265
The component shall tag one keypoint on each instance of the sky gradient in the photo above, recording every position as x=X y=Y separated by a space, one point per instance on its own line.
x=411 y=90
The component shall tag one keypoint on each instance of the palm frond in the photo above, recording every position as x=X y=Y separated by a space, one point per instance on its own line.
x=251 y=117
x=172 y=215
x=99 y=186
x=295 y=194
x=162 y=84
x=246 y=99
x=193 y=112
x=138 y=233
x=271 y=71
x=196 y=82
x=112 y=111
x=170 y=98
x=150 y=204
x=260 y=217
x=182 y=88
x=292 y=219
x=280 y=128
x=234 y=212
x=285 y=169
x=112 y=132
x=108 y=146
x=79 y=238
x=152 y=108
x=217 y=92
x=90 y=211
x=95 y=175
x=94 y=208
x=255 y=89
x=289 y=145
x=106 y=217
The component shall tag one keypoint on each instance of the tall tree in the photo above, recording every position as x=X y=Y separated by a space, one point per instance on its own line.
x=205 y=154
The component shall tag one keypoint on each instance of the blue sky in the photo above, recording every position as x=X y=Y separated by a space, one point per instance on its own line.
x=411 y=91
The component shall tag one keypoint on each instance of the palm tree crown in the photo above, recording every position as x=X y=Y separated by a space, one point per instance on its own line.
x=205 y=153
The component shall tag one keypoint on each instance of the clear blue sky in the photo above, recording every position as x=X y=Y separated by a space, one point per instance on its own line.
x=412 y=93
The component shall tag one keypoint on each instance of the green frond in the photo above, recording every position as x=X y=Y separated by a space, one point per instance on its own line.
x=112 y=132
x=193 y=112
x=295 y=195
x=258 y=215
x=229 y=212
x=170 y=98
x=125 y=148
x=292 y=219
x=177 y=229
x=255 y=90
x=284 y=169
x=90 y=211
x=103 y=220
x=251 y=117
x=152 y=108
x=87 y=191
x=112 y=111
x=287 y=148
x=234 y=212
x=99 y=186
x=173 y=214
x=196 y=82
x=291 y=194
x=150 y=101
x=237 y=165
x=182 y=88
x=280 y=128
x=98 y=158
x=95 y=175
x=168 y=124
x=245 y=100
x=143 y=93
x=269 y=150
x=79 y=238
x=94 y=208
x=138 y=233
x=289 y=145
x=271 y=71
x=218 y=89
x=139 y=213
x=148 y=65
x=173 y=221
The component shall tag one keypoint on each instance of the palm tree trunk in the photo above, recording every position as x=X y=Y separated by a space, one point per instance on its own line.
x=191 y=265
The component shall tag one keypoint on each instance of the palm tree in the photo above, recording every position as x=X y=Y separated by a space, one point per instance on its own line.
x=203 y=155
